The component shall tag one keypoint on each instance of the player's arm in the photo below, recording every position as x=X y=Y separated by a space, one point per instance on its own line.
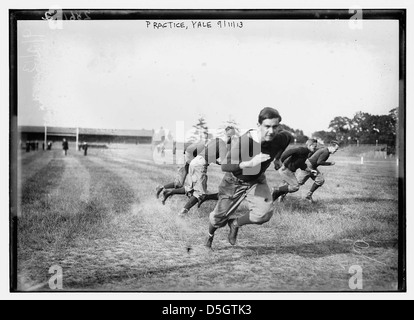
x=234 y=157
x=285 y=138
x=322 y=159
x=301 y=157
x=255 y=161
x=232 y=160
x=287 y=155
x=222 y=152
x=277 y=162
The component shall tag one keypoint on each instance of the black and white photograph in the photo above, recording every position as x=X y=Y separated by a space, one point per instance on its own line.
x=207 y=150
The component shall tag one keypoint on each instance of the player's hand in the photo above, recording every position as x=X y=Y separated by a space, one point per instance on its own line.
x=258 y=159
x=332 y=163
x=313 y=171
x=278 y=165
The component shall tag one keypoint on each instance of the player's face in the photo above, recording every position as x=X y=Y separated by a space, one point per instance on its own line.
x=312 y=147
x=230 y=133
x=268 y=129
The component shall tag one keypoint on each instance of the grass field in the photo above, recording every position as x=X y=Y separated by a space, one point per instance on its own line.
x=97 y=217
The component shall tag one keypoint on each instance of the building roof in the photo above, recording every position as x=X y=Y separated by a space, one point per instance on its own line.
x=87 y=131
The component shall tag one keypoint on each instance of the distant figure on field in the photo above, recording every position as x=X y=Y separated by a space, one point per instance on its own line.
x=27 y=146
x=162 y=134
x=65 y=146
x=230 y=133
x=85 y=148
x=174 y=152
x=162 y=148
x=317 y=159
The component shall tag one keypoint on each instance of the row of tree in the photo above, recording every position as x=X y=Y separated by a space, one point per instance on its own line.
x=363 y=128
x=201 y=130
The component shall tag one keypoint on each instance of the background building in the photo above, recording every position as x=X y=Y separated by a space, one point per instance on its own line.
x=56 y=134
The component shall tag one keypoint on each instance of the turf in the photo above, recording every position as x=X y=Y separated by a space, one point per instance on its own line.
x=97 y=217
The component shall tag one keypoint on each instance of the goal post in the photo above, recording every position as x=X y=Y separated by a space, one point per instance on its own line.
x=77 y=138
x=45 y=136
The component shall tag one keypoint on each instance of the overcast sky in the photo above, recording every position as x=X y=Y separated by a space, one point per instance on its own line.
x=122 y=74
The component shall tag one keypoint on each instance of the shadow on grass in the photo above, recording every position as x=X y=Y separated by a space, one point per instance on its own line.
x=308 y=250
x=109 y=188
x=318 y=249
x=41 y=184
x=53 y=220
x=300 y=206
x=27 y=158
x=325 y=205
x=358 y=200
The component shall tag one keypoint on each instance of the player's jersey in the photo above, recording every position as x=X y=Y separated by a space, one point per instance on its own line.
x=295 y=158
x=245 y=148
x=319 y=158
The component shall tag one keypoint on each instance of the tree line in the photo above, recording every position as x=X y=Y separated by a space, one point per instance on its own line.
x=363 y=128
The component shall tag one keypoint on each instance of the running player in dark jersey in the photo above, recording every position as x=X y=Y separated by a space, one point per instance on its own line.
x=292 y=160
x=245 y=165
x=317 y=159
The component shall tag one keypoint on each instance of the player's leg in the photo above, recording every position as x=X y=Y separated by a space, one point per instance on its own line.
x=218 y=217
x=200 y=185
x=178 y=181
x=170 y=192
x=190 y=203
x=197 y=174
x=290 y=185
x=259 y=200
x=181 y=176
x=302 y=176
x=161 y=188
x=207 y=197
x=318 y=181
